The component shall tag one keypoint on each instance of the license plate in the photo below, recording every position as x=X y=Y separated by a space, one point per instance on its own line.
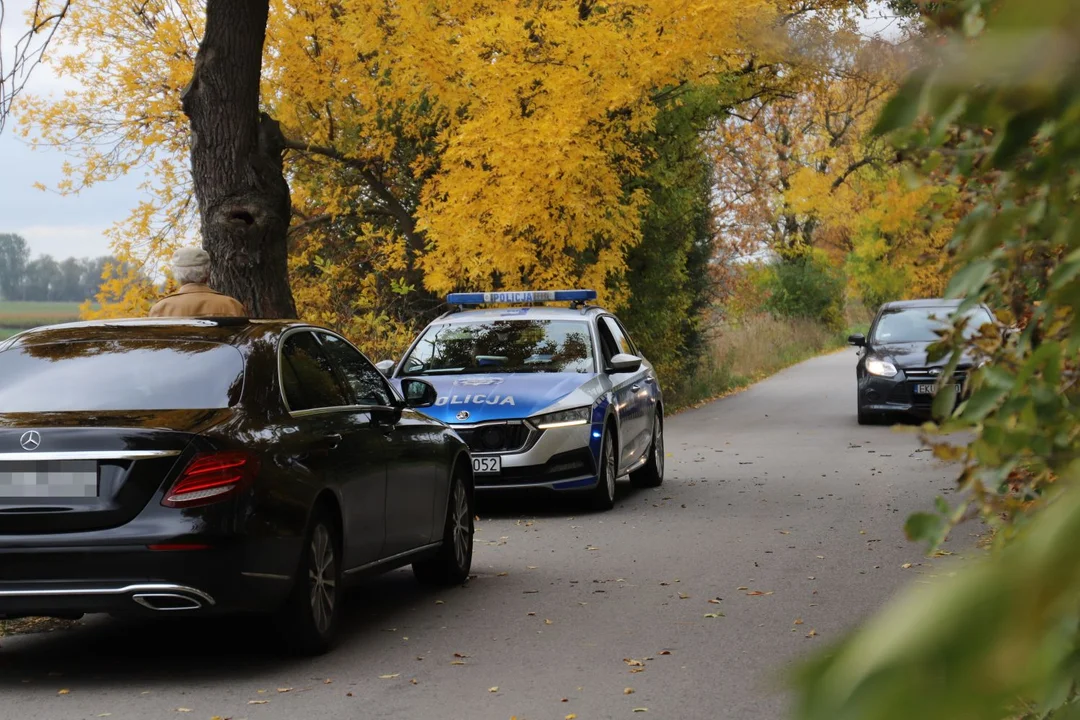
x=60 y=479
x=487 y=465
x=931 y=389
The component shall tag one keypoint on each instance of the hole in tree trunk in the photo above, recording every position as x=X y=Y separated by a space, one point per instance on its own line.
x=243 y=216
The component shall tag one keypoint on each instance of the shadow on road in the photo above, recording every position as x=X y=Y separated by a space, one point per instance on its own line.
x=529 y=504
x=179 y=652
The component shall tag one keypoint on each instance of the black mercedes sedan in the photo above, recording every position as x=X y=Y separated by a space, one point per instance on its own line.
x=201 y=466
x=894 y=374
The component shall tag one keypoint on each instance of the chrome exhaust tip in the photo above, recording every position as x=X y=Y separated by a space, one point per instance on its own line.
x=167 y=602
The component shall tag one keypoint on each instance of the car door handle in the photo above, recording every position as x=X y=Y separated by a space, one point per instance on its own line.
x=331 y=441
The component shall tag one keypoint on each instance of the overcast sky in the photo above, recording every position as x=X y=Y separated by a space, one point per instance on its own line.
x=73 y=225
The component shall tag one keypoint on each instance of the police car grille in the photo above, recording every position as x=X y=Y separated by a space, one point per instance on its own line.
x=496 y=437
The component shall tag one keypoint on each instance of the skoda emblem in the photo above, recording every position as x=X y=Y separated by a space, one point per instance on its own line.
x=463 y=415
x=935 y=371
x=478 y=381
x=30 y=440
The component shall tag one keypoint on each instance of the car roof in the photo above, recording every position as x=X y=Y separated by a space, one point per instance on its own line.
x=921 y=303
x=519 y=313
x=225 y=330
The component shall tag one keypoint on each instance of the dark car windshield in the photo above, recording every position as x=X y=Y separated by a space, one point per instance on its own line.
x=920 y=325
x=119 y=375
x=503 y=346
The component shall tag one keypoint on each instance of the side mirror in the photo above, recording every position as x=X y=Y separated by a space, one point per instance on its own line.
x=385 y=367
x=858 y=340
x=625 y=363
x=418 y=394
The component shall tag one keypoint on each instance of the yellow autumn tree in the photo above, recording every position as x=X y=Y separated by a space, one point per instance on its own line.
x=431 y=144
x=799 y=169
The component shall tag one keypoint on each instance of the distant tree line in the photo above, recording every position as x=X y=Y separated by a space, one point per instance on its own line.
x=44 y=279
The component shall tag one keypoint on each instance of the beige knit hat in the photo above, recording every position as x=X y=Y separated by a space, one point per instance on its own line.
x=191 y=257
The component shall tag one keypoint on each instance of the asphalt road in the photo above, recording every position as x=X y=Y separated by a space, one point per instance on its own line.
x=777 y=505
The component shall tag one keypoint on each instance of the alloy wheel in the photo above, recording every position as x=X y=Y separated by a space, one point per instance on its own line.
x=461 y=524
x=658 y=447
x=609 y=467
x=322 y=577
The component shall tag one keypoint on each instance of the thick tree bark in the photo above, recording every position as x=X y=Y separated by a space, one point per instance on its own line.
x=236 y=160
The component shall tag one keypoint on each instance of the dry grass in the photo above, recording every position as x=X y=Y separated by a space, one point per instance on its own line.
x=742 y=353
x=26 y=626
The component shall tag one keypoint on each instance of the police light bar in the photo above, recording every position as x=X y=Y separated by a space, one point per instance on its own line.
x=520 y=297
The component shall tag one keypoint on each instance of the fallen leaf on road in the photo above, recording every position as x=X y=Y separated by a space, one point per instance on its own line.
x=756 y=593
x=641 y=709
x=633 y=663
x=664 y=584
x=548 y=622
x=798 y=621
x=785 y=532
x=460 y=655
x=742 y=587
x=592 y=548
x=494 y=689
x=439 y=602
x=628 y=691
x=328 y=681
x=714 y=601
x=413 y=682
x=183 y=710
x=284 y=690
x=906 y=566
x=105 y=715
x=532 y=614
x=502 y=574
x=683 y=596
x=530 y=567
x=258 y=702
x=389 y=677
x=571 y=716
x=458 y=662
x=664 y=652
x=812 y=633
x=348 y=694
x=714 y=615
x=820 y=557
x=63 y=692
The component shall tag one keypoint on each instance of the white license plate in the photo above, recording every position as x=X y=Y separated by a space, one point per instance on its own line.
x=487 y=465
x=61 y=479
x=931 y=389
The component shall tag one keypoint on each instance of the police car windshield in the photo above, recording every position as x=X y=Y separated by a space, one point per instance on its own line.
x=503 y=346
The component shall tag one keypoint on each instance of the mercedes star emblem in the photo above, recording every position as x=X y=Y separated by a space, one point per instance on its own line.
x=463 y=415
x=30 y=440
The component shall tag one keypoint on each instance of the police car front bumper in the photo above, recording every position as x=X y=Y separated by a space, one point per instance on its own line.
x=557 y=458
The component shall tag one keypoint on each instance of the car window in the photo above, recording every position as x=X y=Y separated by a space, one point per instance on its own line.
x=503 y=346
x=367 y=383
x=921 y=324
x=307 y=375
x=120 y=374
x=618 y=335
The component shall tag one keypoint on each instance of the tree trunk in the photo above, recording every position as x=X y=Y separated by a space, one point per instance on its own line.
x=236 y=161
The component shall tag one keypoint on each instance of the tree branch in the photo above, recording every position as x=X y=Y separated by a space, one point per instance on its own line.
x=25 y=57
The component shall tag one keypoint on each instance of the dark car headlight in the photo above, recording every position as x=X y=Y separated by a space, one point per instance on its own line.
x=563 y=418
x=881 y=368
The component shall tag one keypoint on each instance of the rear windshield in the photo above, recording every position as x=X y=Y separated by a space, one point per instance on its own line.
x=110 y=375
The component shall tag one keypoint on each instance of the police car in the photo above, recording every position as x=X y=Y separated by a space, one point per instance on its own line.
x=549 y=397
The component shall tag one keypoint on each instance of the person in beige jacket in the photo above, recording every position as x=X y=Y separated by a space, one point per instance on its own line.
x=194 y=298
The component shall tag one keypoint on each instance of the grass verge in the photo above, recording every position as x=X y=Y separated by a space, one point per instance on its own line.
x=741 y=354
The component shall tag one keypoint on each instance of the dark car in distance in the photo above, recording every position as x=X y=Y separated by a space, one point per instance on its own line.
x=894 y=373
x=200 y=466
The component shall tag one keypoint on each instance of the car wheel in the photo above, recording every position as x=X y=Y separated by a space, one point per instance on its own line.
x=603 y=496
x=652 y=474
x=310 y=617
x=452 y=563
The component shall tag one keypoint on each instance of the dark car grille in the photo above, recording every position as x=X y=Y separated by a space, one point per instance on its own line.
x=564 y=466
x=920 y=376
x=495 y=437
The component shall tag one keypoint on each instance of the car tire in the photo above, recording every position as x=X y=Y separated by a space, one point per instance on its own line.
x=652 y=474
x=603 y=495
x=309 y=619
x=452 y=563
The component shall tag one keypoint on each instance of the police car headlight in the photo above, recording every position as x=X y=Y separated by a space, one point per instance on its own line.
x=563 y=418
